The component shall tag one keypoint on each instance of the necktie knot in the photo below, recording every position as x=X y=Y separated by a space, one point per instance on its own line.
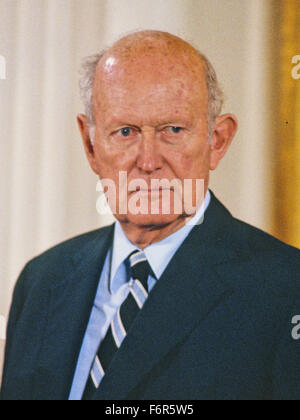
x=140 y=268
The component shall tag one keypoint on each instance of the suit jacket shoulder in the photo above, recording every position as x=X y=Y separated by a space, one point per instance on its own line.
x=266 y=257
x=50 y=271
x=259 y=241
x=258 y=266
x=53 y=264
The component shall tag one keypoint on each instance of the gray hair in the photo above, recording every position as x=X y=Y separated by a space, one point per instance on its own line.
x=87 y=77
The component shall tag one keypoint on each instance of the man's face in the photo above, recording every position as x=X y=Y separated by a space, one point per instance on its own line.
x=151 y=123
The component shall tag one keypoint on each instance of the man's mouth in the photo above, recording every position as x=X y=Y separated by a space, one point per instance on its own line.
x=151 y=190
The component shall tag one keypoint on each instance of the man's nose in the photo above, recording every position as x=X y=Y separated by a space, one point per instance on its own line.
x=149 y=158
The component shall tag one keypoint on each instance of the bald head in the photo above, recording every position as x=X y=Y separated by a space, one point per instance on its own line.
x=149 y=43
x=141 y=64
x=154 y=53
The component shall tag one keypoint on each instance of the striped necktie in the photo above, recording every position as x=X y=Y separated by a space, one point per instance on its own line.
x=119 y=327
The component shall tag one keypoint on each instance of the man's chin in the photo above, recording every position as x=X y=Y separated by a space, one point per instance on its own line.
x=150 y=220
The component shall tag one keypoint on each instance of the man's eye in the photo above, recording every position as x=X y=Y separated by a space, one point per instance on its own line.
x=125 y=132
x=174 y=129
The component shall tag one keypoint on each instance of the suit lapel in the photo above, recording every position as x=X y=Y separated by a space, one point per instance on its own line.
x=187 y=292
x=69 y=311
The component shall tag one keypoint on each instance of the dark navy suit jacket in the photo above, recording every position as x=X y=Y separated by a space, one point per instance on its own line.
x=216 y=326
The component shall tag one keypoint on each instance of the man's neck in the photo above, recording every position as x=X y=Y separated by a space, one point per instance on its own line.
x=143 y=236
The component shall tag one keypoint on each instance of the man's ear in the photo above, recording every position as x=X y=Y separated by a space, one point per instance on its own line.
x=87 y=141
x=224 y=130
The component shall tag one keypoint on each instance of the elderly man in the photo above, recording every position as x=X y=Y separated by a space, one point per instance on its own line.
x=163 y=304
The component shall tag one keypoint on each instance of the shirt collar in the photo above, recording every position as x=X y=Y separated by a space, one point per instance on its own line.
x=158 y=254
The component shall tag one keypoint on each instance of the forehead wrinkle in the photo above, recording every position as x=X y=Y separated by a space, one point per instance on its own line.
x=126 y=114
x=174 y=88
x=147 y=85
x=153 y=102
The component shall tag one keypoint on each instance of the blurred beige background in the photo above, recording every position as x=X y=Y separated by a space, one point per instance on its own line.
x=48 y=192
